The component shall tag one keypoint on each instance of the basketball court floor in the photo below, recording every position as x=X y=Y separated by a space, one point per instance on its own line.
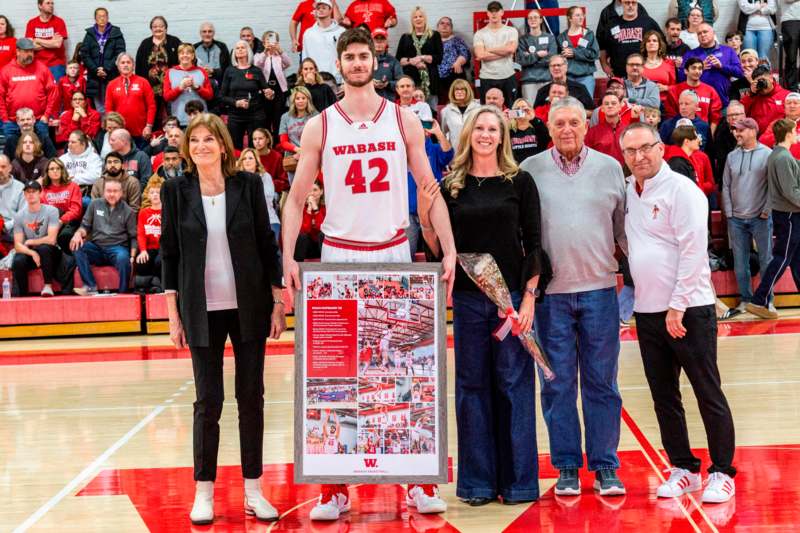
x=95 y=435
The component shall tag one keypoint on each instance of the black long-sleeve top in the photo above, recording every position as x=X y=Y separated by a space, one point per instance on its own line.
x=433 y=47
x=322 y=95
x=502 y=218
x=247 y=84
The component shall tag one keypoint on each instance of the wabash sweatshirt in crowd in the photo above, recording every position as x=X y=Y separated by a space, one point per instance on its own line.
x=29 y=86
x=133 y=99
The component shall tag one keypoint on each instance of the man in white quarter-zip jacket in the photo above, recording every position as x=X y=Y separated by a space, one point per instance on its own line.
x=675 y=315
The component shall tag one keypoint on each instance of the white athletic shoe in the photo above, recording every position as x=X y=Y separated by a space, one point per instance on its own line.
x=255 y=503
x=203 y=508
x=332 y=503
x=426 y=499
x=47 y=291
x=720 y=488
x=679 y=483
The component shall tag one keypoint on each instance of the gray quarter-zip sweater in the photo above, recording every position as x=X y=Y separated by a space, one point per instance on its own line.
x=783 y=174
x=744 y=183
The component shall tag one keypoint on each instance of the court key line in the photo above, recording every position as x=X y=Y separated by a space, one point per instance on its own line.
x=647 y=449
x=92 y=467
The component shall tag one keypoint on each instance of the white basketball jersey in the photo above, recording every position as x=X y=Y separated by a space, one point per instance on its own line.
x=365 y=169
x=331 y=445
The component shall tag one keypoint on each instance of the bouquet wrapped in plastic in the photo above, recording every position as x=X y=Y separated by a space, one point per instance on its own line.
x=483 y=270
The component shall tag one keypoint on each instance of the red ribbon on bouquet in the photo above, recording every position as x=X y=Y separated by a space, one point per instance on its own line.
x=509 y=325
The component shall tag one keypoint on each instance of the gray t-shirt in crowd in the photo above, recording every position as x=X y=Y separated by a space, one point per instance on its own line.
x=293 y=126
x=35 y=225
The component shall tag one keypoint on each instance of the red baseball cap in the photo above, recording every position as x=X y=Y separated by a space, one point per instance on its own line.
x=380 y=32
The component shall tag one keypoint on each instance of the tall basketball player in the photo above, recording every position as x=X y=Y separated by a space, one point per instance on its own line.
x=365 y=146
x=330 y=435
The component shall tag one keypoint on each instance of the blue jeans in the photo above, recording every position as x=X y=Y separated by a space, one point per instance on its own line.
x=58 y=72
x=759 y=40
x=743 y=231
x=580 y=332
x=626 y=302
x=413 y=233
x=495 y=405
x=11 y=131
x=785 y=254
x=117 y=256
x=586 y=81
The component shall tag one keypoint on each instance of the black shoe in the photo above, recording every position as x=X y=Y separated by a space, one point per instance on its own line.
x=568 y=483
x=608 y=484
x=477 y=502
x=509 y=501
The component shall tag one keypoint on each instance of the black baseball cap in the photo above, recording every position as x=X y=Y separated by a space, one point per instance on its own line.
x=32 y=185
x=494 y=6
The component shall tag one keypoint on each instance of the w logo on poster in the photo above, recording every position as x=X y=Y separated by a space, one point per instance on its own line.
x=371 y=462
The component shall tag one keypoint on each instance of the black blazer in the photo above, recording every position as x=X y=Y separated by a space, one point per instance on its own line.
x=254 y=253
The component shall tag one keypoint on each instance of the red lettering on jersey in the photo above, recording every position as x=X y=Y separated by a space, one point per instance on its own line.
x=355 y=176
x=347 y=149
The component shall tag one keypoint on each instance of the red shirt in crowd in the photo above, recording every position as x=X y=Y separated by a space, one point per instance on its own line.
x=709 y=107
x=304 y=16
x=663 y=74
x=90 y=124
x=67 y=88
x=604 y=138
x=206 y=91
x=66 y=198
x=768 y=139
x=37 y=29
x=133 y=99
x=765 y=108
x=148 y=229
x=312 y=222
x=30 y=86
x=373 y=13
x=8 y=50
x=704 y=176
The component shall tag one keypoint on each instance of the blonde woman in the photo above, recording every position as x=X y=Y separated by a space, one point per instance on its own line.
x=494 y=208
x=420 y=51
x=186 y=82
x=215 y=217
x=529 y=134
x=249 y=161
x=462 y=102
x=301 y=109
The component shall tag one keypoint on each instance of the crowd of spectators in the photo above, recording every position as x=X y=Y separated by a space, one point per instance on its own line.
x=96 y=128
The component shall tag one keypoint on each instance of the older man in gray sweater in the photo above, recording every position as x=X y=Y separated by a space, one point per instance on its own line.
x=783 y=175
x=582 y=195
x=745 y=200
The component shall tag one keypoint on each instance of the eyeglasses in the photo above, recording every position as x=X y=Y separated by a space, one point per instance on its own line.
x=645 y=149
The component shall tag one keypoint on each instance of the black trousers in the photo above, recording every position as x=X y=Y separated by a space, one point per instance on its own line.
x=273 y=111
x=508 y=86
x=65 y=235
x=238 y=125
x=696 y=354
x=22 y=264
x=207 y=366
x=790 y=30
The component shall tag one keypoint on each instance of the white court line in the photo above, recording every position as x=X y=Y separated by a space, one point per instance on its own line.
x=92 y=468
x=86 y=472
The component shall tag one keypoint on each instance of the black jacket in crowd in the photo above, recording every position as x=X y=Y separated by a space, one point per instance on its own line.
x=107 y=59
x=224 y=59
x=146 y=46
x=433 y=47
x=254 y=253
x=240 y=84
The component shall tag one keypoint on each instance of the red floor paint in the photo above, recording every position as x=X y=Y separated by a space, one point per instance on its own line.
x=163 y=498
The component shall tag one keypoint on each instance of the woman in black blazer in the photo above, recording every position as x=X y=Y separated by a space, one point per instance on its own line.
x=219 y=260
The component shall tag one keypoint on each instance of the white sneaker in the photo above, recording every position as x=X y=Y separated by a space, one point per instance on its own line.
x=679 y=483
x=720 y=488
x=426 y=501
x=47 y=291
x=203 y=508
x=85 y=291
x=332 y=502
x=255 y=503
